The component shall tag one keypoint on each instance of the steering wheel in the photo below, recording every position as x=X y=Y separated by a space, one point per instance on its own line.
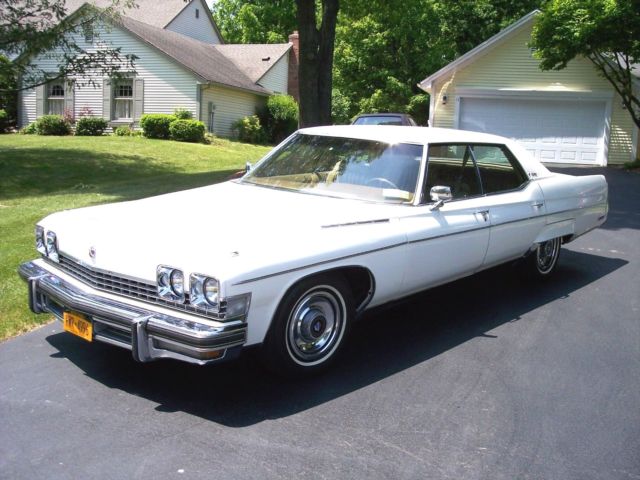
x=381 y=182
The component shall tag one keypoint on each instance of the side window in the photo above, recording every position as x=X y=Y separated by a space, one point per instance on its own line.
x=498 y=168
x=453 y=166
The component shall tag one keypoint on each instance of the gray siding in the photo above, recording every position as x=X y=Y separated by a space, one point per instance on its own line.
x=277 y=78
x=167 y=85
x=230 y=105
x=199 y=28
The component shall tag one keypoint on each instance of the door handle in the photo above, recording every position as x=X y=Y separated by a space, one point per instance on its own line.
x=538 y=205
x=484 y=213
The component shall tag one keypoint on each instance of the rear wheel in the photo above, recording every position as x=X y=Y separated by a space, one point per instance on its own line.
x=543 y=261
x=310 y=326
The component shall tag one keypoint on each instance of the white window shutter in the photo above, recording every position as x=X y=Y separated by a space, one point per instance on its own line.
x=106 y=99
x=68 y=97
x=40 y=100
x=138 y=98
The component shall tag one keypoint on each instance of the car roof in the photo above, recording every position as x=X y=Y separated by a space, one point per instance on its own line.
x=397 y=134
x=425 y=135
x=384 y=114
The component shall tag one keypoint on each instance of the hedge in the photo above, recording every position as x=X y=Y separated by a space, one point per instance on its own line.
x=156 y=125
x=186 y=131
x=249 y=130
x=91 y=126
x=52 y=125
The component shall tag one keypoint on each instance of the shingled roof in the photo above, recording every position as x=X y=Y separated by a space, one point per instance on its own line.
x=203 y=59
x=158 y=13
x=254 y=60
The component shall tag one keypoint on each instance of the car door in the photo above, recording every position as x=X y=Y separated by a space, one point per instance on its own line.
x=450 y=241
x=514 y=205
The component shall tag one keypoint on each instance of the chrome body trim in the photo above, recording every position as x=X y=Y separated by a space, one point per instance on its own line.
x=148 y=334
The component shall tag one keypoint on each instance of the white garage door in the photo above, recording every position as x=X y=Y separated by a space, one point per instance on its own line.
x=560 y=131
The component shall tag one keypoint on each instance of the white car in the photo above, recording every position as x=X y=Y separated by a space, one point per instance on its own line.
x=331 y=222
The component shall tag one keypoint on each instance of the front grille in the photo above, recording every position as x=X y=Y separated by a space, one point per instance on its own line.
x=129 y=287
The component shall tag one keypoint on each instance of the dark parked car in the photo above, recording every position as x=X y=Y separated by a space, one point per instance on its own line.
x=385 y=119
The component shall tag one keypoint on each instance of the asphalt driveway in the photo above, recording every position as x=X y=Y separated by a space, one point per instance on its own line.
x=489 y=377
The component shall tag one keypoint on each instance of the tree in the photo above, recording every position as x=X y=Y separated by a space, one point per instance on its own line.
x=606 y=32
x=29 y=28
x=255 y=22
x=315 y=68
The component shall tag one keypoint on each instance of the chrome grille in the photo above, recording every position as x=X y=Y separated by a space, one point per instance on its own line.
x=129 y=287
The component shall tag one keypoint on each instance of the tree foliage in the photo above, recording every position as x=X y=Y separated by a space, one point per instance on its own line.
x=29 y=28
x=607 y=32
x=255 y=22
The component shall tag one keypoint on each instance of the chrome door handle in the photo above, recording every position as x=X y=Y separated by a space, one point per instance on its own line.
x=538 y=205
x=484 y=213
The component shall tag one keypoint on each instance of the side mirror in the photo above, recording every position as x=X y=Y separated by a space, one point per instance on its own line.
x=247 y=167
x=440 y=194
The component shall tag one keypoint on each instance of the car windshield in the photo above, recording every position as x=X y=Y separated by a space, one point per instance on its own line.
x=342 y=167
x=379 y=120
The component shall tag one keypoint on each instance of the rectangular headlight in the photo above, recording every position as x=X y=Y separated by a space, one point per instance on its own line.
x=52 y=246
x=40 y=246
x=170 y=283
x=204 y=291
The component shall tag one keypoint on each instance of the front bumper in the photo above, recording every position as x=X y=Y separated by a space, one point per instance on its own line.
x=149 y=335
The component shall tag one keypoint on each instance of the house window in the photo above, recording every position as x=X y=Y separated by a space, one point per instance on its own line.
x=123 y=100
x=55 y=98
x=197 y=13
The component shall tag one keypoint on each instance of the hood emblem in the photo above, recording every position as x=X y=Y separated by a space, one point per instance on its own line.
x=92 y=252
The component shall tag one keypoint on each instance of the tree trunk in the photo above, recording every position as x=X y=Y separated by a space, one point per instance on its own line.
x=315 y=72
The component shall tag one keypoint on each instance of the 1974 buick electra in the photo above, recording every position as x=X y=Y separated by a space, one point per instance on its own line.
x=331 y=222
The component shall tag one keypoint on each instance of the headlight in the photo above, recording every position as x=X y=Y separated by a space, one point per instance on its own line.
x=40 y=245
x=52 y=246
x=170 y=283
x=203 y=291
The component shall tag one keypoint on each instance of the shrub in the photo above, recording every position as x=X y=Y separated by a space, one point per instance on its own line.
x=156 y=125
x=187 y=131
x=52 y=125
x=4 y=121
x=281 y=117
x=249 y=130
x=182 y=114
x=123 y=132
x=91 y=126
x=29 y=129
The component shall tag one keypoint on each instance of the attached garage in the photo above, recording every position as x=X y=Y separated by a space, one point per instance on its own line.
x=570 y=116
x=554 y=131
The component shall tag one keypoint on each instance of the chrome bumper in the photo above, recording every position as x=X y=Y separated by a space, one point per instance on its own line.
x=149 y=335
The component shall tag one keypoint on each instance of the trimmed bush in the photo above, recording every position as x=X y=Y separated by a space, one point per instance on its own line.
x=91 y=126
x=156 y=125
x=123 y=132
x=187 y=131
x=4 y=120
x=29 y=129
x=280 y=118
x=52 y=125
x=249 y=130
x=182 y=114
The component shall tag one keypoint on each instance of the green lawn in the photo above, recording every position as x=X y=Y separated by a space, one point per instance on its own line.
x=40 y=175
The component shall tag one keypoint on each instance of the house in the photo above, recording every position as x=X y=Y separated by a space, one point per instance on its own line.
x=570 y=116
x=182 y=63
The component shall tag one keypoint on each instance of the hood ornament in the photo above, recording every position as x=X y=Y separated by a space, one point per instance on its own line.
x=92 y=252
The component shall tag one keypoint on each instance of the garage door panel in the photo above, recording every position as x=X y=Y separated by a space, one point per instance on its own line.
x=553 y=131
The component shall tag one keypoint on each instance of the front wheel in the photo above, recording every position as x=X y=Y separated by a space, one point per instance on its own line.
x=310 y=326
x=543 y=261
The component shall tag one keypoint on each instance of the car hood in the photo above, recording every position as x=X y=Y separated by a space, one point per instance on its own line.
x=229 y=230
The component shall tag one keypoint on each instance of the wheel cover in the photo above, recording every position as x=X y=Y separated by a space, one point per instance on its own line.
x=547 y=255
x=316 y=325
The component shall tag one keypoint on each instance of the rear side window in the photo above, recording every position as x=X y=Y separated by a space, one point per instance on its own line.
x=499 y=170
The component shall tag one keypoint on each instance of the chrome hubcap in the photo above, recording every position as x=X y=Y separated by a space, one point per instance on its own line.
x=316 y=325
x=547 y=254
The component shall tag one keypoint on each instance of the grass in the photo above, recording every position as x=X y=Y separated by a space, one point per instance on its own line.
x=40 y=175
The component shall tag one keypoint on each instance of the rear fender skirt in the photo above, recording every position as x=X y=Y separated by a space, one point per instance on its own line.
x=562 y=228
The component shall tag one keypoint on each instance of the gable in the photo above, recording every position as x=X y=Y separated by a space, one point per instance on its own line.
x=195 y=21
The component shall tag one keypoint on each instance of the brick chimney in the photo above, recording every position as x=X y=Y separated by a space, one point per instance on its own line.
x=294 y=56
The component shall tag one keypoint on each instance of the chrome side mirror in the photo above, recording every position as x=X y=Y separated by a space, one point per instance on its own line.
x=440 y=194
x=248 y=167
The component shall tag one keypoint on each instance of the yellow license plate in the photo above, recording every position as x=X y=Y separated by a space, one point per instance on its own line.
x=78 y=325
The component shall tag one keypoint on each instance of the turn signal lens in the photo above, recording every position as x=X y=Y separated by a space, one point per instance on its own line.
x=40 y=245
